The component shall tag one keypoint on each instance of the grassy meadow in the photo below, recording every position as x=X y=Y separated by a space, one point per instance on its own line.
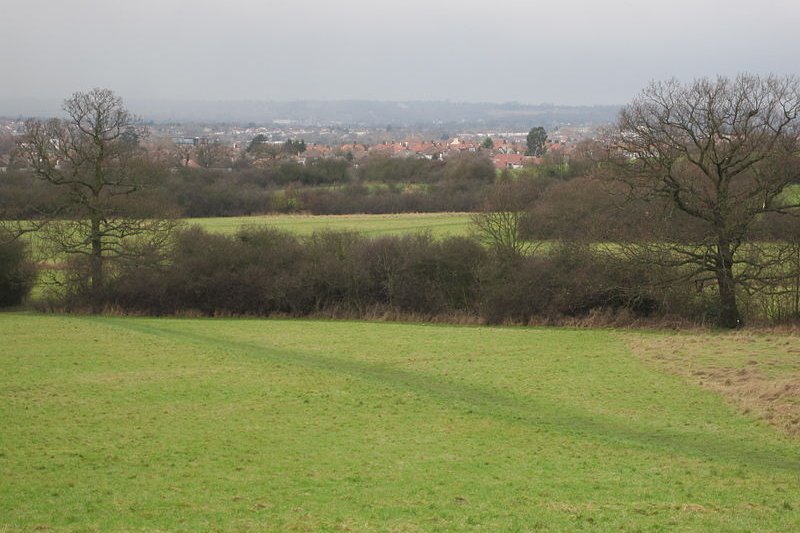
x=145 y=424
x=439 y=224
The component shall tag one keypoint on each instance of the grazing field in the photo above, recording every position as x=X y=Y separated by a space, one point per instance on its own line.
x=439 y=224
x=143 y=424
x=793 y=193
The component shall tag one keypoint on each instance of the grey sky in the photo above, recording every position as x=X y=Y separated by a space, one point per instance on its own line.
x=557 y=51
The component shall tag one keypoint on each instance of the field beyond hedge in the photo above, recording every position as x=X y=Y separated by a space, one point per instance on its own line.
x=439 y=224
x=144 y=424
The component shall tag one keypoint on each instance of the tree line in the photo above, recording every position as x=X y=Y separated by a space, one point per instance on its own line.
x=376 y=184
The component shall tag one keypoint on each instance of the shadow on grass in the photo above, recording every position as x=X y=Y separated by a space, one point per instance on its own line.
x=536 y=412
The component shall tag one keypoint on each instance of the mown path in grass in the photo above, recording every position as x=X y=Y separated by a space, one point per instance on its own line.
x=184 y=424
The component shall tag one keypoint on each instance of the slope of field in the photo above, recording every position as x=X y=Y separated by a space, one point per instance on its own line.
x=439 y=224
x=120 y=424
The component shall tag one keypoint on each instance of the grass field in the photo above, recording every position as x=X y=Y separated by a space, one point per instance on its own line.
x=793 y=193
x=439 y=224
x=143 y=424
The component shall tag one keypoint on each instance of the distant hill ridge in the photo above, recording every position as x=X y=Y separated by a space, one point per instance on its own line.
x=344 y=112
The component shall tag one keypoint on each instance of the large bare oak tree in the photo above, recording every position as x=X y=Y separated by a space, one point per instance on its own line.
x=720 y=152
x=94 y=157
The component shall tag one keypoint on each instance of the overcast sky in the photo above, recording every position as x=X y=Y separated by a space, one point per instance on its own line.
x=530 y=51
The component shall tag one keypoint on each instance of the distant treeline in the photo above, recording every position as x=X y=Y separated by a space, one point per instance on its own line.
x=376 y=184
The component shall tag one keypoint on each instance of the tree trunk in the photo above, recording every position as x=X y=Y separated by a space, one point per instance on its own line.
x=96 y=264
x=729 y=312
x=796 y=281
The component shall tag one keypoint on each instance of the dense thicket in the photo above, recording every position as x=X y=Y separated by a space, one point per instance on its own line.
x=265 y=272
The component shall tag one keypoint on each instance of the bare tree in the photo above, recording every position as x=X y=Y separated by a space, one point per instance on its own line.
x=183 y=153
x=501 y=224
x=95 y=159
x=213 y=154
x=720 y=154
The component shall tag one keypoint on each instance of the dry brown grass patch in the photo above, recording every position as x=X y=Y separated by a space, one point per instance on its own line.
x=758 y=373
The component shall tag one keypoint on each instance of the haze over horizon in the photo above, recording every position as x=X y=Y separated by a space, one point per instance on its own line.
x=573 y=52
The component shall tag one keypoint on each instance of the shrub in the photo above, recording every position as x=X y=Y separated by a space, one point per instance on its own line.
x=572 y=280
x=333 y=278
x=17 y=271
x=417 y=274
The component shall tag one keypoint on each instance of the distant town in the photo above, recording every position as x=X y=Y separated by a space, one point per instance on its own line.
x=229 y=142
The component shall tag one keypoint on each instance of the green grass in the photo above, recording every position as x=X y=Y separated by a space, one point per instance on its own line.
x=126 y=424
x=439 y=224
x=793 y=193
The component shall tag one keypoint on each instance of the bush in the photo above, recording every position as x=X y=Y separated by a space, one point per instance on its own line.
x=333 y=277
x=17 y=271
x=252 y=272
x=570 y=281
x=417 y=274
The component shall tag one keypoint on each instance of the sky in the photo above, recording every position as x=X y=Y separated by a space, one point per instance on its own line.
x=574 y=52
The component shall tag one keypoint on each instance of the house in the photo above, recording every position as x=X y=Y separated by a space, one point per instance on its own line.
x=512 y=161
x=190 y=141
x=457 y=145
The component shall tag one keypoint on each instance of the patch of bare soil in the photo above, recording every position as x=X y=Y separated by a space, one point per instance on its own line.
x=759 y=374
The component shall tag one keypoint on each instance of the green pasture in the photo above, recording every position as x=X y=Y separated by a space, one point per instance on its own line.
x=793 y=193
x=439 y=224
x=146 y=424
